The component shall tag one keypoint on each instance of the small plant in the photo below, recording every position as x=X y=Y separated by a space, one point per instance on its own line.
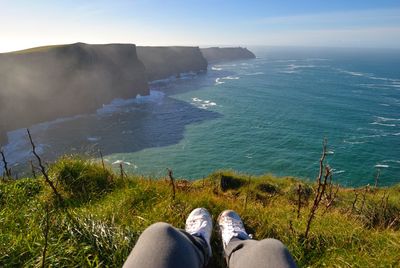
x=81 y=179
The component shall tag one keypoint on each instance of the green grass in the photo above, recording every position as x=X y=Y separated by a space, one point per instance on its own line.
x=104 y=215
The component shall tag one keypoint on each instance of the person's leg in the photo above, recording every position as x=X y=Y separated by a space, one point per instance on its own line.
x=252 y=253
x=241 y=251
x=163 y=246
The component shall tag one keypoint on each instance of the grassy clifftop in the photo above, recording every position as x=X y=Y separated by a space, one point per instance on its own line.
x=103 y=213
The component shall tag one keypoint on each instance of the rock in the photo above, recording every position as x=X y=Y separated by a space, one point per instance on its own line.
x=164 y=62
x=46 y=83
x=217 y=54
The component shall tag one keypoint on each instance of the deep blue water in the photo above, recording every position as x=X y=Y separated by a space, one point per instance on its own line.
x=267 y=115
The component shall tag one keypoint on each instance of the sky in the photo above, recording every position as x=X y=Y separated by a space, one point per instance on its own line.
x=334 y=23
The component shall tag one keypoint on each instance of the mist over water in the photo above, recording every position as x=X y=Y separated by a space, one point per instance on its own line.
x=267 y=115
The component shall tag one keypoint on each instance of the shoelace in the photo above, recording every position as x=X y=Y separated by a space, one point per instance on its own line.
x=233 y=226
x=196 y=224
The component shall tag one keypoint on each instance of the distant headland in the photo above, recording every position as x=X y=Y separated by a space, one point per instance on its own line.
x=45 y=83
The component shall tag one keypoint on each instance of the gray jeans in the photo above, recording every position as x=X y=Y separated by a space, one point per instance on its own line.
x=164 y=246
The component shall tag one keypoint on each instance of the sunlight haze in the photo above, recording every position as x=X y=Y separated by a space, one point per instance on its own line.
x=341 y=23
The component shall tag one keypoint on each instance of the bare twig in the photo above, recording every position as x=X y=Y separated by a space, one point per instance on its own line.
x=102 y=160
x=121 y=171
x=331 y=199
x=291 y=227
x=32 y=169
x=393 y=222
x=354 y=201
x=43 y=170
x=247 y=193
x=299 y=190
x=321 y=186
x=6 y=169
x=364 y=198
x=170 y=175
x=378 y=173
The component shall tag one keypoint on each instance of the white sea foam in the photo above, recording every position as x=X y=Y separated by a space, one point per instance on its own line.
x=380 y=86
x=289 y=72
x=121 y=162
x=384 y=104
x=118 y=162
x=296 y=66
x=385 y=119
x=317 y=59
x=363 y=139
x=172 y=78
x=203 y=104
x=227 y=65
x=373 y=136
x=93 y=139
x=231 y=77
x=382 y=124
x=117 y=105
x=188 y=75
x=391 y=161
x=381 y=166
x=127 y=132
x=354 y=142
x=352 y=72
x=163 y=81
x=218 y=81
x=285 y=60
x=215 y=68
x=389 y=82
x=339 y=171
x=355 y=73
x=256 y=73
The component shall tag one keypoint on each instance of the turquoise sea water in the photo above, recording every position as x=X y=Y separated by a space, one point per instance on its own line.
x=266 y=115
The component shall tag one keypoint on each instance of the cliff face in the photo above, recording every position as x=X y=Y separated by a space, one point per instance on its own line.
x=46 y=83
x=217 y=54
x=163 y=62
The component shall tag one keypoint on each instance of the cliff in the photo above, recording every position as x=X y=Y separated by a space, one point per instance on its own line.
x=217 y=54
x=46 y=83
x=163 y=62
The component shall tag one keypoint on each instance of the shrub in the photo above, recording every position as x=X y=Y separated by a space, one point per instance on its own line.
x=81 y=179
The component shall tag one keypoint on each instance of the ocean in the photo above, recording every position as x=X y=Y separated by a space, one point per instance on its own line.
x=264 y=115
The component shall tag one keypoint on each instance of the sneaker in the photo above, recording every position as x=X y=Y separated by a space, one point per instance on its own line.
x=230 y=225
x=199 y=223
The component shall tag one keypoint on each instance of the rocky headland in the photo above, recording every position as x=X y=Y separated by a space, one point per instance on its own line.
x=45 y=83
x=218 y=54
x=163 y=62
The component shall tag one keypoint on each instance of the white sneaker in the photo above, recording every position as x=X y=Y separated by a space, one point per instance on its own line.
x=199 y=223
x=230 y=225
